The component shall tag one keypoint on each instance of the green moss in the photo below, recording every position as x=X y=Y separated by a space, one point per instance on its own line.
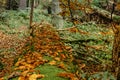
x=50 y=72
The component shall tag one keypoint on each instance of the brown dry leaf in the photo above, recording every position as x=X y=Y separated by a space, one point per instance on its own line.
x=117 y=7
x=67 y=75
x=83 y=32
x=97 y=47
x=81 y=65
x=73 y=30
x=52 y=62
x=62 y=56
x=71 y=50
x=62 y=66
x=36 y=76
x=76 y=21
x=55 y=54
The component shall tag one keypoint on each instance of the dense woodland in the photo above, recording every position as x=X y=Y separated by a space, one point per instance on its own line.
x=59 y=39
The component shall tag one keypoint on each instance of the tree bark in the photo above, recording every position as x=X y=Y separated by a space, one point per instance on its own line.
x=8 y=4
x=57 y=19
x=71 y=14
x=116 y=52
x=28 y=2
x=22 y=4
x=31 y=17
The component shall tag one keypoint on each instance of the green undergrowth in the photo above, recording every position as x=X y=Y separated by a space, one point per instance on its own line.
x=93 y=44
x=11 y=20
x=95 y=36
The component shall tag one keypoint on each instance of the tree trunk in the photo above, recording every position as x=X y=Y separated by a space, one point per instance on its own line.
x=116 y=52
x=57 y=19
x=36 y=3
x=31 y=17
x=8 y=4
x=22 y=4
x=28 y=3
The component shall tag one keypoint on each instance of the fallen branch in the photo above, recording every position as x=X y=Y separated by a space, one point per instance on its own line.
x=80 y=41
x=66 y=29
x=14 y=75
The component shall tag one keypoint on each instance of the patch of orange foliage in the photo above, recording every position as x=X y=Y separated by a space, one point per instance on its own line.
x=45 y=41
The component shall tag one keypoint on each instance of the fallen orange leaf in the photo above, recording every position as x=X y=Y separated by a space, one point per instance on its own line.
x=67 y=75
x=62 y=56
x=1 y=78
x=20 y=68
x=24 y=73
x=21 y=78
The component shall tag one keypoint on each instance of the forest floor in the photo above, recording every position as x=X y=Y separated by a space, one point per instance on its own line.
x=43 y=56
x=82 y=53
x=48 y=60
x=10 y=47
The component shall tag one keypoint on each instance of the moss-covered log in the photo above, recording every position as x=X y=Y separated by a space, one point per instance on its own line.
x=106 y=14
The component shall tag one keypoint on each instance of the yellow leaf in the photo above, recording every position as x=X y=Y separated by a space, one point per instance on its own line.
x=21 y=78
x=1 y=78
x=20 y=68
x=57 y=58
x=52 y=63
x=19 y=62
x=24 y=73
x=35 y=76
